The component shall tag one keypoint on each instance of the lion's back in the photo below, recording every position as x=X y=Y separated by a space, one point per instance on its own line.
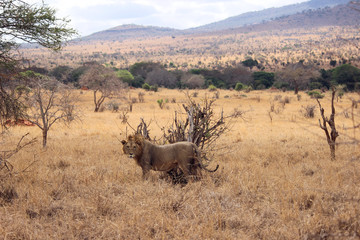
x=178 y=150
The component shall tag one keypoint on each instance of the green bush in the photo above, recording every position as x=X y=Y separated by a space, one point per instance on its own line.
x=154 y=88
x=212 y=88
x=263 y=80
x=315 y=85
x=161 y=103
x=281 y=85
x=146 y=86
x=239 y=86
x=125 y=76
x=315 y=94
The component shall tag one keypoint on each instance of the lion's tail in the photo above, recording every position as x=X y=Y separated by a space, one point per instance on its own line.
x=198 y=156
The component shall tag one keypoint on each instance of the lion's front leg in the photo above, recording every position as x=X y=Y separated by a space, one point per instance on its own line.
x=145 y=171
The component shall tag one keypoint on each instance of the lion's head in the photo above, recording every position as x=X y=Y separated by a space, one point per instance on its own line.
x=133 y=146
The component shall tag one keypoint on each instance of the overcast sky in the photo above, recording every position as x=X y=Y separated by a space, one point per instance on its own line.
x=89 y=16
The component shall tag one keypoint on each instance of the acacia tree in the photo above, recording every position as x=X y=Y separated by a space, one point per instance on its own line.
x=48 y=101
x=233 y=75
x=161 y=77
x=192 y=80
x=28 y=23
x=298 y=75
x=102 y=81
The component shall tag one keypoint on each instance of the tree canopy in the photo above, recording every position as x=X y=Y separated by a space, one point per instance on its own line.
x=348 y=75
x=32 y=24
x=22 y=22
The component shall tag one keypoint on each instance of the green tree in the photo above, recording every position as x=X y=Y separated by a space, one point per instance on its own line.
x=250 y=63
x=61 y=73
x=125 y=76
x=333 y=63
x=75 y=74
x=28 y=23
x=348 y=75
x=143 y=68
x=263 y=79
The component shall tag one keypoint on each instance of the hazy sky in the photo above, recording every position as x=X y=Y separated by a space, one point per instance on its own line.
x=89 y=16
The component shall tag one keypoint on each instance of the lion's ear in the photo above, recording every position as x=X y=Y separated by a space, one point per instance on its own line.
x=123 y=142
x=138 y=141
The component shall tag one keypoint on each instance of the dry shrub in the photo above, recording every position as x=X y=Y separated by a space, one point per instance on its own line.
x=124 y=117
x=277 y=97
x=141 y=97
x=309 y=111
x=7 y=195
x=134 y=100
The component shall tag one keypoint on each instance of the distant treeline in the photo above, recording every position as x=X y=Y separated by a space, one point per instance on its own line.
x=151 y=75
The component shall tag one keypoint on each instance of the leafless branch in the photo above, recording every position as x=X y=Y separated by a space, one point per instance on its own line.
x=6 y=155
x=333 y=134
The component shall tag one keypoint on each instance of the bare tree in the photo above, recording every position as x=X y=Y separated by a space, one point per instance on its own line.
x=49 y=102
x=298 y=75
x=233 y=75
x=161 y=77
x=192 y=80
x=103 y=82
x=333 y=134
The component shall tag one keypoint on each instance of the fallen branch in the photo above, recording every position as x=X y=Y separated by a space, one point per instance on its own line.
x=6 y=155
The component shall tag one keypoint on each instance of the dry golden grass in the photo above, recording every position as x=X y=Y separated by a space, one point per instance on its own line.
x=276 y=179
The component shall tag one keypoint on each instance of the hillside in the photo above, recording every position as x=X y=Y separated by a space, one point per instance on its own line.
x=128 y=31
x=341 y=15
x=267 y=15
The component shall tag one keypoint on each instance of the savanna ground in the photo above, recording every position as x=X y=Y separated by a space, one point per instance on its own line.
x=275 y=181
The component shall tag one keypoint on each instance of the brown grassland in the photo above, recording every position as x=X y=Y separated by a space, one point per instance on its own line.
x=275 y=181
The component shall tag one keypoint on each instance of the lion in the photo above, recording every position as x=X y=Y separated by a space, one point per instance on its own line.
x=149 y=156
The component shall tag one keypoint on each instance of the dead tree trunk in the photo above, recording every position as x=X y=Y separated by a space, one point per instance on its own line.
x=333 y=134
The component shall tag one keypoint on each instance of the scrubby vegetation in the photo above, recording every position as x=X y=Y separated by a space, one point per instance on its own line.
x=150 y=75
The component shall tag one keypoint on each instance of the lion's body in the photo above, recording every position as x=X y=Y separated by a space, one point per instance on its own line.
x=149 y=156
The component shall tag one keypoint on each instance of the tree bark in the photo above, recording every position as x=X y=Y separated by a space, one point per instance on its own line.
x=44 y=134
